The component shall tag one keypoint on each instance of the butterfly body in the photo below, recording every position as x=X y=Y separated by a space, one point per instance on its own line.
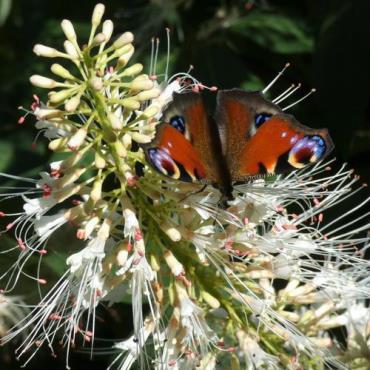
x=247 y=137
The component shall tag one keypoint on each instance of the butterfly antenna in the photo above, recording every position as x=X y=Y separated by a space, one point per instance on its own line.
x=299 y=100
x=151 y=57
x=168 y=53
x=276 y=78
x=286 y=95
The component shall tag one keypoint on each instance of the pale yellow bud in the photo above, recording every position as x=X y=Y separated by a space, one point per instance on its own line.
x=171 y=232
x=97 y=14
x=47 y=113
x=124 y=58
x=125 y=38
x=96 y=83
x=133 y=70
x=40 y=81
x=104 y=230
x=99 y=39
x=174 y=265
x=141 y=84
x=71 y=50
x=150 y=112
x=115 y=122
x=120 y=149
x=122 y=255
x=130 y=103
x=72 y=104
x=210 y=299
x=141 y=138
x=127 y=140
x=59 y=144
x=60 y=71
x=68 y=30
x=60 y=96
x=147 y=95
x=107 y=29
x=154 y=263
x=99 y=161
x=96 y=191
x=45 y=51
x=77 y=139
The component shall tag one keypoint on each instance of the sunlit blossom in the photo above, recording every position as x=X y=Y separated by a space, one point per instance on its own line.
x=206 y=273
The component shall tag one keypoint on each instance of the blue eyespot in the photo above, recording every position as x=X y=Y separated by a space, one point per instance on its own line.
x=178 y=122
x=261 y=118
x=309 y=149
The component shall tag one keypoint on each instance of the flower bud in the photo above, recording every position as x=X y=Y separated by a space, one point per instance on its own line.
x=124 y=58
x=175 y=266
x=171 y=232
x=210 y=299
x=77 y=139
x=71 y=50
x=97 y=14
x=96 y=191
x=43 y=114
x=59 y=96
x=120 y=149
x=150 y=112
x=124 y=39
x=58 y=144
x=44 y=82
x=141 y=138
x=133 y=70
x=104 y=230
x=107 y=29
x=60 y=71
x=99 y=161
x=127 y=140
x=147 y=95
x=99 y=39
x=141 y=84
x=72 y=104
x=115 y=122
x=122 y=255
x=45 y=51
x=69 y=30
x=130 y=103
x=96 y=83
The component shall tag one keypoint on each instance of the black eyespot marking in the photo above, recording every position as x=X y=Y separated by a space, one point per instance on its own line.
x=178 y=122
x=261 y=118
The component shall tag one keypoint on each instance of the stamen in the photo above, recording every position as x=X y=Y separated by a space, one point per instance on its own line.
x=276 y=78
x=168 y=54
x=299 y=100
x=278 y=101
x=283 y=93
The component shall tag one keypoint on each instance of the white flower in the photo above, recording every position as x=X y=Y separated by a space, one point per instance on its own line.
x=255 y=357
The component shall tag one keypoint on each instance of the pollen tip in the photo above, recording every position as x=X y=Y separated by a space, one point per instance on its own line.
x=41 y=281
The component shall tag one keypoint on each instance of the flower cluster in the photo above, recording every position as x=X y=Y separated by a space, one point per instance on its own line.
x=258 y=284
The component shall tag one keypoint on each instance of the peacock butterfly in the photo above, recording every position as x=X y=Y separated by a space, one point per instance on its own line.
x=248 y=136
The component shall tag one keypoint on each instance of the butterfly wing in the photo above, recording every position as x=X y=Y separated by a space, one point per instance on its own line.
x=258 y=138
x=185 y=144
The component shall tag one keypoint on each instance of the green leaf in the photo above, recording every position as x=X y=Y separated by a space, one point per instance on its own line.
x=7 y=152
x=276 y=32
x=5 y=7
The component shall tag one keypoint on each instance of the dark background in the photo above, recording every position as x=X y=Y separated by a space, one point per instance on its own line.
x=231 y=44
